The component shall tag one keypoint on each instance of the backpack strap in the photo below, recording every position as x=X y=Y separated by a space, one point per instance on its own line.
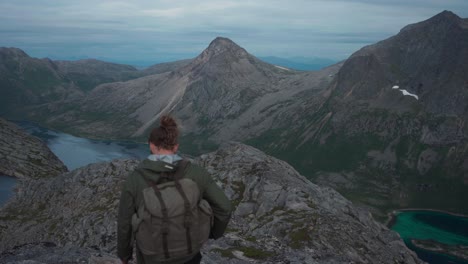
x=165 y=220
x=188 y=215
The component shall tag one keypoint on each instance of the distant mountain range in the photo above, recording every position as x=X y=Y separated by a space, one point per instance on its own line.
x=300 y=63
x=386 y=127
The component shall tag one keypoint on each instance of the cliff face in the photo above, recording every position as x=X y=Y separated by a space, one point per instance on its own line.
x=279 y=215
x=391 y=131
x=25 y=156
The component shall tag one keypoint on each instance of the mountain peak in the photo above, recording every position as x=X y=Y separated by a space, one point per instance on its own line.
x=13 y=52
x=219 y=52
x=220 y=45
x=223 y=42
x=446 y=15
x=443 y=21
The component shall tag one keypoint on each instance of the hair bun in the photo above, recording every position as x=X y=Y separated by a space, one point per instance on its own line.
x=168 y=122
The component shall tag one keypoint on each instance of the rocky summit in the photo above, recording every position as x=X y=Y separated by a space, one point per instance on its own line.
x=25 y=156
x=279 y=217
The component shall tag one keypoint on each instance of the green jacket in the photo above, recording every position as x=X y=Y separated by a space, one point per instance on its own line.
x=132 y=196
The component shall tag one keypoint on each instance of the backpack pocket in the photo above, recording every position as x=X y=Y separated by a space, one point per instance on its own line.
x=205 y=220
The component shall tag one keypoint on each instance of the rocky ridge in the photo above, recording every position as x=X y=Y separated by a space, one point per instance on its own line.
x=279 y=215
x=374 y=144
x=27 y=81
x=242 y=91
x=25 y=156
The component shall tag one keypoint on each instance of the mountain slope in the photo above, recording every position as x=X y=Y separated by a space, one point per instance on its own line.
x=378 y=146
x=298 y=63
x=279 y=215
x=239 y=88
x=89 y=73
x=26 y=81
x=426 y=58
x=166 y=67
x=25 y=156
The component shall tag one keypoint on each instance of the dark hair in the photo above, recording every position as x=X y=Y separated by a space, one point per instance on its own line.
x=166 y=135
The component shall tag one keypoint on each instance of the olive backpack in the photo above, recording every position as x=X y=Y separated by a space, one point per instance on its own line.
x=173 y=222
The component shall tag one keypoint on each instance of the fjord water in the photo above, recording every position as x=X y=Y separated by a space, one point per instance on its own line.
x=74 y=152
x=7 y=185
x=444 y=228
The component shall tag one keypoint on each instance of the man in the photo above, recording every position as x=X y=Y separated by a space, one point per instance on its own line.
x=164 y=168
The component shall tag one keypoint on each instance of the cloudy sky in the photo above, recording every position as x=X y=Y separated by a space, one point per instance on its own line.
x=147 y=31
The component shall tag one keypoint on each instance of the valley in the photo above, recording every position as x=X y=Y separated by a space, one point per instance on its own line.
x=345 y=126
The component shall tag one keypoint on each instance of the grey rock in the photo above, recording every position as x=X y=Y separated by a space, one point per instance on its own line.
x=279 y=216
x=25 y=156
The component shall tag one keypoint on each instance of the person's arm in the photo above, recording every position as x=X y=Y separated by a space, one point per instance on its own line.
x=221 y=206
x=124 y=222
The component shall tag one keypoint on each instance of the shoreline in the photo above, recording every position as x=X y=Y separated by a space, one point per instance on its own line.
x=16 y=177
x=66 y=131
x=391 y=219
x=14 y=191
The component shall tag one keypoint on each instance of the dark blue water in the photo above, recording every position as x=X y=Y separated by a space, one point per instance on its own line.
x=76 y=152
x=7 y=185
x=444 y=228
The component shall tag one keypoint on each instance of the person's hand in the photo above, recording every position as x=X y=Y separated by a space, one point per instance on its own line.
x=124 y=261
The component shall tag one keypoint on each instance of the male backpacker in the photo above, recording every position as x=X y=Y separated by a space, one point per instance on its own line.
x=168 y=205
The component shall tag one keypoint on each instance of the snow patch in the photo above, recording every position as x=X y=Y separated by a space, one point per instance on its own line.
x=283 y=68
x=404 y=92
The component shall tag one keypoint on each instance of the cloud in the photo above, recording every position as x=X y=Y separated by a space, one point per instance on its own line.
x=163 y=29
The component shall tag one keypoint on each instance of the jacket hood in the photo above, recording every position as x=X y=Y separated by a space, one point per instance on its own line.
x=151 y=170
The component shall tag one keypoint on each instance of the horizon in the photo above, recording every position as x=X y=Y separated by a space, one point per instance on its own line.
x=144 y=33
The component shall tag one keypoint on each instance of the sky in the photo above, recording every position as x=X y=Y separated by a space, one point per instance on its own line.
x=153 y=31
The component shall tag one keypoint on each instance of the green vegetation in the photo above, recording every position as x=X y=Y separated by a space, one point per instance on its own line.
x=255 y=253
x=99 y=208
x=298 y=237
x=251 y=239
x=384 y=186
x=225 y=253
x=195 y=144
x=249 y=252
x=239 y=188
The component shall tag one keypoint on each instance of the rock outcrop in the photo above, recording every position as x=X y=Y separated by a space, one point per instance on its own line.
x=48 y=253
x=374 y=142
x=279 y=217
x=25 y=156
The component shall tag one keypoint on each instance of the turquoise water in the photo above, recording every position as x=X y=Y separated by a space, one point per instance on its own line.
x=444 y=228
x=7 y=185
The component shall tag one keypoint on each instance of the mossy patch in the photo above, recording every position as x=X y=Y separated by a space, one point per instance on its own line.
x=255 y=253
x=239 y=188
x=250 y=252
x=299 y=237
